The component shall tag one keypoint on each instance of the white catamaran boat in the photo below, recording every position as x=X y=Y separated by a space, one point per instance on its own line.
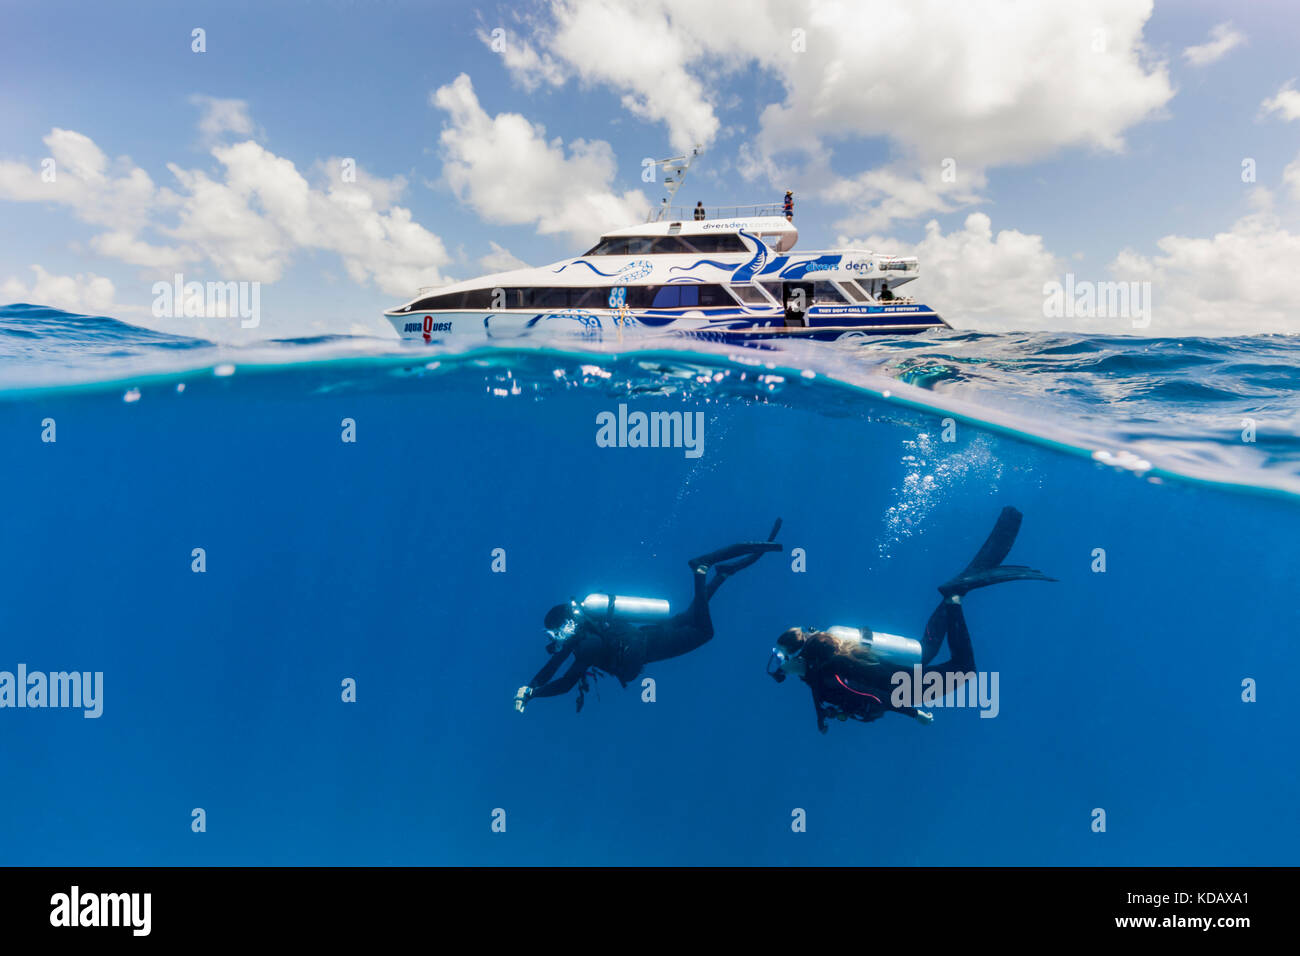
x=731 y=275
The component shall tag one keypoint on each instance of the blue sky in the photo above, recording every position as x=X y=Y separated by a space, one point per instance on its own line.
x=1085 y=138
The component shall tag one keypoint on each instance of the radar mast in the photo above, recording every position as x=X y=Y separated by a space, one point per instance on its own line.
x=674 y=173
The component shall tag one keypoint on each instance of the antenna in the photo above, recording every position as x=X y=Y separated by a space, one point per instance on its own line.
x=675 y=169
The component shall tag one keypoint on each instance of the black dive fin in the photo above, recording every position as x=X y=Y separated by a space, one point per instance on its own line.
x=755 y=549
x=964 y=583
x=752 y=550
x=999 y=542
x=986 y=568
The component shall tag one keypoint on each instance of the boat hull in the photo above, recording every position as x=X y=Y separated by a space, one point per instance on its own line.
x=822 y=324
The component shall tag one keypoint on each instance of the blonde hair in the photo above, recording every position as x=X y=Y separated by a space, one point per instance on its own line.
x=845 y=649
x=834 y=648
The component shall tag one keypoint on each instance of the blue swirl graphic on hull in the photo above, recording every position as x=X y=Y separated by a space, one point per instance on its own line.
x=636 y=270
x=587 y=319
x=702 y=262
x=747 y=272
x=633 y=270
x=584 y=262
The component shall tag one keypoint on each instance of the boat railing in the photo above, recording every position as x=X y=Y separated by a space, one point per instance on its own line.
x=900 y=264
x=687 y=213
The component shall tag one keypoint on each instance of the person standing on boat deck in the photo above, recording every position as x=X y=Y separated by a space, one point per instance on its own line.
x=699 y=211
x=789 y=206
x=885 y=294
x=599 y=641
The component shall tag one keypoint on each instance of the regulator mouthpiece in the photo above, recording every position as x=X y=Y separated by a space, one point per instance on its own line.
x=774 y=666
x=565 y=631
x=782 y=663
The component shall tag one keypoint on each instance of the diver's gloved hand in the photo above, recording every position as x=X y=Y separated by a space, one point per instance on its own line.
x=522 y=696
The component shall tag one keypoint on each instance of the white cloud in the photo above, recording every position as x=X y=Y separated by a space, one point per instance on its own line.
x=1291 y=178
x=880 y=196
x=644 y=54
x=529 y=68
x=504 y=167
x=251 y=223
x=119 y=195
x=248 y=222
x=639 y=50
x=87 y=293
x=1286 y=103
x=1223 y=38
x=974 y=278
x=382 y=192
x=1240 y=281
x=125 y=247
x=221 y=117
x=501 y=259
x=983 y=83
x=218 y=221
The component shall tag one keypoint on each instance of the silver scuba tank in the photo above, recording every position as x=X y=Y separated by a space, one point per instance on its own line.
x=625 y=608
x=885 y=648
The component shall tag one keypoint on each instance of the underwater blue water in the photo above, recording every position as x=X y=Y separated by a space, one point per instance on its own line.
x=372 y=560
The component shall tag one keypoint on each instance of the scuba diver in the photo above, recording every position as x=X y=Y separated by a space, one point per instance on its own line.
x=851 y=670
x=620 y=635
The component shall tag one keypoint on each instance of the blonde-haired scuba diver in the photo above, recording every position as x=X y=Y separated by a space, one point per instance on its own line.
x=851 y=670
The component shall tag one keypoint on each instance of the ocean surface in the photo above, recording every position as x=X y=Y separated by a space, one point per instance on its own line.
x=1159 y=481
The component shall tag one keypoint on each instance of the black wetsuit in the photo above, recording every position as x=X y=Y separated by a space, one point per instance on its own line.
x=623 y=649
x=860 y=690
x=864 y=691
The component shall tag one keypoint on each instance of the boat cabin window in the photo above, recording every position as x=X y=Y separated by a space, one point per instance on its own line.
x=749 y=295
x=666 y=245
x=561 y=297
x=590 y=297
x=879 y=288
x=825 y=293
x=622 y=246
x=434 y=303
x=547 y=298
x=721 y=242
x=667 y=297
x=677 y=297
x=855 y=293
x=512 y=298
